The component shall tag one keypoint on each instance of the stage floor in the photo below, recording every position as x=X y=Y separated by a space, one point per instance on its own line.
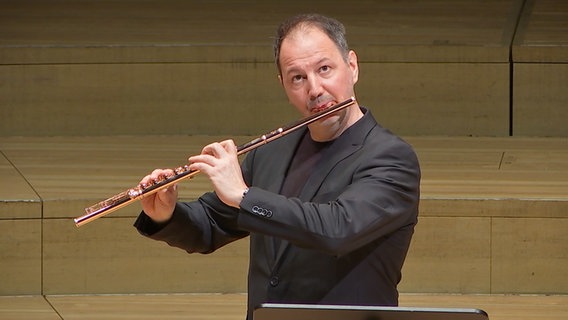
x=232 y=306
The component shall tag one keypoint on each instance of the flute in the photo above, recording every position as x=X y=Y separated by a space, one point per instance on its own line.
x=127 y=197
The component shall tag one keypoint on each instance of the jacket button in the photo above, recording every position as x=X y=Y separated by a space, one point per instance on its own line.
x=274 y=281
x=259 y=211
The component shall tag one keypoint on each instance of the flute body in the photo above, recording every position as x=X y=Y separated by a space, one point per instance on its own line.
x=181 y=173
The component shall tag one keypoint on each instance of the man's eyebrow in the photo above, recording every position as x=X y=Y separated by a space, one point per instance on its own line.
x=323 y=60
x=292 y=70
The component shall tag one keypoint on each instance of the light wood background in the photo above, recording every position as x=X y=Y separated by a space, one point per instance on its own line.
x=492 y=218
x=232 y=306
x=94 y=94
x=455 y=67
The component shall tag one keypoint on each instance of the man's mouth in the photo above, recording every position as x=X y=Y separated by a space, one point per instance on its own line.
x=322 y=107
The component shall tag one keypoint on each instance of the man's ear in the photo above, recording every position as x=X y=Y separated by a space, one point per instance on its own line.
x=354 y=65
x=280 y=79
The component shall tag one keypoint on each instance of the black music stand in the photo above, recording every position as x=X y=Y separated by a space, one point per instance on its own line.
x=275 y=311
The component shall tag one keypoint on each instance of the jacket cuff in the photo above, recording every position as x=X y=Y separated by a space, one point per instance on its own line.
x=146 y=226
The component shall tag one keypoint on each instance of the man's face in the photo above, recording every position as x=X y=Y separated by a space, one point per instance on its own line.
x=315 y=75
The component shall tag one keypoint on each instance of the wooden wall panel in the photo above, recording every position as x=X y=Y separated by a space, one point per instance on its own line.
x=109 y=256
x=243 y=99
x=18 y=199
x=71 y=68
x=20 y=257
x=456 y=99
x=540 y=99
x=177 y=30
x=142 y=99
x=529 y=255
x=540 y=70
x=449 y=255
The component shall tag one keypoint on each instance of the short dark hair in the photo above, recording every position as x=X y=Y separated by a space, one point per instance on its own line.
x=334 y=29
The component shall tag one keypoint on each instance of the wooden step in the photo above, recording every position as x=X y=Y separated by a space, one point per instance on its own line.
x=232 y=306
x=492 y=218
x=123 y=68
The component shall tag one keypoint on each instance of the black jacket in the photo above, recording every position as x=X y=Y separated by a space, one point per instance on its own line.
x=342 y=241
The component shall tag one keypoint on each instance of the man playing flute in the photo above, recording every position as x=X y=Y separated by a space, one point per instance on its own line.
x=330 y=209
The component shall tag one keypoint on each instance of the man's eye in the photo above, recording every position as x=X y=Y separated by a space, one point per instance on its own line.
x=325 y=68
x=297 y=78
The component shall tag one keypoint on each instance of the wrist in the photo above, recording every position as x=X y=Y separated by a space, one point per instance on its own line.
x=243 y=195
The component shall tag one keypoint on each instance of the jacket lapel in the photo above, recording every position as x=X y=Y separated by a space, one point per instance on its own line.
x=313 y=184
x=343 y=147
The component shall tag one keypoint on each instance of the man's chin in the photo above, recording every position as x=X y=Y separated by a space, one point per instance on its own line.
x=328 y=120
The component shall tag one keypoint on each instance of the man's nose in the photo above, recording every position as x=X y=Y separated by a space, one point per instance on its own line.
x=314 y=87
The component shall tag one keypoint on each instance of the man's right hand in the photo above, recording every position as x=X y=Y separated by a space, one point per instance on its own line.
x=159 y=206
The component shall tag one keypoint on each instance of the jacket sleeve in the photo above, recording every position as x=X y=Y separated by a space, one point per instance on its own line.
x=368 y=196
x=200 y=226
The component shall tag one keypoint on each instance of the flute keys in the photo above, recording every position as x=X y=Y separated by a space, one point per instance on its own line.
x=157 y=181
x=183 y=169
x=134 y=192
